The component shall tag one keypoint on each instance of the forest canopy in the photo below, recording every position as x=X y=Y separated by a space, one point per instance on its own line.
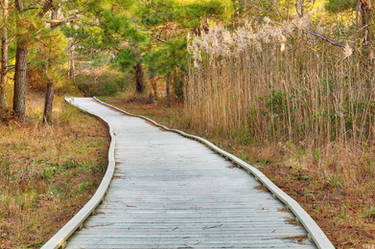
x=146 y=42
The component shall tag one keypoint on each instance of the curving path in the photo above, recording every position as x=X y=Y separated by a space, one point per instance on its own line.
x=172 y=192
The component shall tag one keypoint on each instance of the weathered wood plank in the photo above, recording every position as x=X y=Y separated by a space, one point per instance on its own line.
x=172 y=192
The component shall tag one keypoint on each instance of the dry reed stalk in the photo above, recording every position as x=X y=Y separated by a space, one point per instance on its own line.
x=278 y=83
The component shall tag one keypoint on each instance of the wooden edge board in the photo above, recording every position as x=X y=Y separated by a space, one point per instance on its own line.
x=60 y=238
x=315 y=233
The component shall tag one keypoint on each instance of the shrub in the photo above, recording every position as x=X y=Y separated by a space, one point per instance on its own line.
x=102 y=83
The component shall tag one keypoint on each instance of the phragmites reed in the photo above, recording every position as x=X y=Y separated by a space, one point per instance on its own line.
x=274 y=82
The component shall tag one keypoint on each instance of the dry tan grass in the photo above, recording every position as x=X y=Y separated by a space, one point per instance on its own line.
x=47 y=173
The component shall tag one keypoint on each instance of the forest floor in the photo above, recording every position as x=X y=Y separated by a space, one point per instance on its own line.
x=47 y=172
x=336 y=189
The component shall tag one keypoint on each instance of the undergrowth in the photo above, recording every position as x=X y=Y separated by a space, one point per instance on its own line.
x=47 y=173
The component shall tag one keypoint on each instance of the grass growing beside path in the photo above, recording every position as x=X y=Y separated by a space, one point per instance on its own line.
x=47 y=173
x=335 y=186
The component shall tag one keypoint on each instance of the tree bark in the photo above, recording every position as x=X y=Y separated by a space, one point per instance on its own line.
x=178 y=84
x=46 y=7
x=153 y=84
x=19 y=99
x=19 y=96
x=19 y=5
x=365 y=9
x=4 y=55
x=48 y=102
x=366 y=14
x=139 y=81
x=167 y=90
x=72 y=71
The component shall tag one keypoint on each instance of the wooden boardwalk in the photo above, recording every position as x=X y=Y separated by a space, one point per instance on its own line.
x=172 y=192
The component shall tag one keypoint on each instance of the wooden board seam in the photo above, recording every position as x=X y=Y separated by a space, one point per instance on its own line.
x=314 y=231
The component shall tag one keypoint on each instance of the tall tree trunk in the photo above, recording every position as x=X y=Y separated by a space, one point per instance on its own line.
x=72 y=69
x=153 y=84
x=365 y=8
x=19 y=99
x=167 y=90
x=139 y=81
x=366 y=17
x=48 y=102
x=19 y=5
x=4 y=54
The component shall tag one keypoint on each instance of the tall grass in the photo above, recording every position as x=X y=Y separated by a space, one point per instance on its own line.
x=276 y=82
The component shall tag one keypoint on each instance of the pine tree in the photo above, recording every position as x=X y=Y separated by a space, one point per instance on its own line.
x=4 y=53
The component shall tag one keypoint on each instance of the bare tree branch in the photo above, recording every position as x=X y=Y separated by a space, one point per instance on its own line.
x=325 y=38
x=30 y=8
x=158 y=39
x=21 y=7
x=57 y=22
x=10 y=68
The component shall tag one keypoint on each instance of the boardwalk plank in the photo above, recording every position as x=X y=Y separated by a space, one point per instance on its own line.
x=172 y=192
